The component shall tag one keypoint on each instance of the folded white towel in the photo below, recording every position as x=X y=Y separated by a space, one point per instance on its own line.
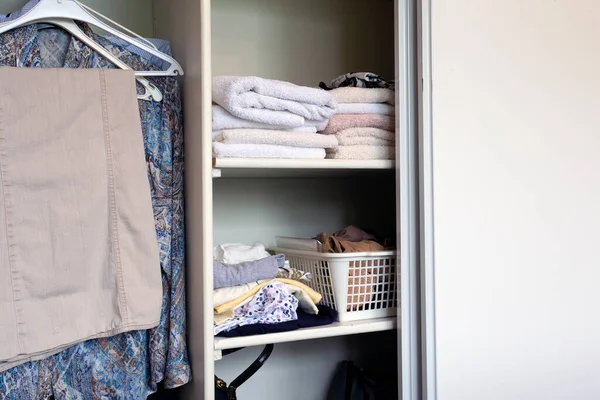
x=223 y=119
x=271 y=101
x=366 y=108
x=361 y=140
x=320 y=124
x=362 y=153
x=363 y=95
x=281 y=138
x=222 y=150
x=375 y=133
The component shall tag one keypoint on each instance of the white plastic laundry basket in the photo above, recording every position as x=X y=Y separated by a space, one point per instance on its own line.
x=357 y=285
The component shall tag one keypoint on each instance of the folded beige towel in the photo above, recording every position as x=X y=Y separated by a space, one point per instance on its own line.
x=363 y=95
x=374 y=133
x=281 y=138
x=366 y=108
x=302 y=129
x=339 y=122
x=362 y=153
x=222 y=150
x=362 y=140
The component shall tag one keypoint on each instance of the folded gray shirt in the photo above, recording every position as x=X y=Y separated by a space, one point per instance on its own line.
x=227 y=275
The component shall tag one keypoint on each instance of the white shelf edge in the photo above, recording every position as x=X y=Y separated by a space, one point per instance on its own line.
x=274 y=163
x=333 y=330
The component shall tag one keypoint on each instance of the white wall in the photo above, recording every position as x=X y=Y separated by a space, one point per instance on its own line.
x=516 y=127
x=305 y=41
x=251 y=210
x=134 y=14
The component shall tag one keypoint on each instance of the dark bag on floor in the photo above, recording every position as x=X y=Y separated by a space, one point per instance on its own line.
x=351 y=383
x=224 y=392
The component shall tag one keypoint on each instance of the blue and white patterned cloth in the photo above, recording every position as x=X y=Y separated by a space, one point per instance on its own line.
x=162 y=45
x=130 y=365
x=273 y=304
x=14 y=15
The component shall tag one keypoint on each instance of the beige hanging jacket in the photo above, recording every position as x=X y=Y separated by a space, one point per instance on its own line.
x=78 y=249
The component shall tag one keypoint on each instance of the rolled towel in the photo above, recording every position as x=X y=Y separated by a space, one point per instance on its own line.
x=281 y=138
x=271 y=101
x=362 y=153
x=366 y=108
x=340 y=122
x=228 y=275
x=363 y=95
x=223 y=119
x=372 y=133
x=222 y=150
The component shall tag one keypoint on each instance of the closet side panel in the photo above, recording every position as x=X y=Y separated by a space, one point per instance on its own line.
x=516 y=211
x=186 y=24
x=134 y=14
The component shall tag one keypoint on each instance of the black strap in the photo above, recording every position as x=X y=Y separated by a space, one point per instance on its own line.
x=251 y=370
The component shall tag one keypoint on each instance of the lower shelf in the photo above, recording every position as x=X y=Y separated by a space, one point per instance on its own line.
x=279 y=168
x=336 y=329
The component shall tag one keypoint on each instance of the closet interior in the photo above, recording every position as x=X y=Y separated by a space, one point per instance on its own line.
x=305 y=43
x=237 y=200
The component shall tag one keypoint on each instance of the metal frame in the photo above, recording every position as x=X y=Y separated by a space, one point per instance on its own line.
x=407 y=208
x=426 y=202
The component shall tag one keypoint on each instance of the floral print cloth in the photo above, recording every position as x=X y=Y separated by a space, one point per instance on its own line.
x=295 y=274
x=272 y=305
x=130 y=365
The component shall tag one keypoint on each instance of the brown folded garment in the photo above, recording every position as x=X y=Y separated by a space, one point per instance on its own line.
x=339 y=122
x=79 y=257
x=353 y=234
x=331 y=244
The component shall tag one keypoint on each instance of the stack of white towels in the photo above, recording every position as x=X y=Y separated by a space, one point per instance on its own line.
x=364 y=124
x=254 y=117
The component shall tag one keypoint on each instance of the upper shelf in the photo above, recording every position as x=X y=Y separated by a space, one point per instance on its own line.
x=278 y=168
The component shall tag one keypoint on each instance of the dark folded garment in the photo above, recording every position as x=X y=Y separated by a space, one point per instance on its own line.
x=326 y=316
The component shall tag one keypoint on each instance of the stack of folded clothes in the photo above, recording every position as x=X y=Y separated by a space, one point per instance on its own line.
x=263 y=118
x=256 y=293
x=364 y=122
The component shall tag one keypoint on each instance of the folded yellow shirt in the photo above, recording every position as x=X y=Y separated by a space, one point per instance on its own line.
x=233 y=304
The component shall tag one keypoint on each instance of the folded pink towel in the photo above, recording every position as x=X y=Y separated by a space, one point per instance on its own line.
x=339 y=122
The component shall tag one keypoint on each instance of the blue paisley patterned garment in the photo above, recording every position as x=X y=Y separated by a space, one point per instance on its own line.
x=130 y=365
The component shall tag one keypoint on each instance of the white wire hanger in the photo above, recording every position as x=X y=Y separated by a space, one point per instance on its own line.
x=64 y=13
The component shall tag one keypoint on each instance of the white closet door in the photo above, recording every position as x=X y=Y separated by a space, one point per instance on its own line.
x=511 y=139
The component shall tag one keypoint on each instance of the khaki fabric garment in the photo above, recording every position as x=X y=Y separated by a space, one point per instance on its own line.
x=78 y=250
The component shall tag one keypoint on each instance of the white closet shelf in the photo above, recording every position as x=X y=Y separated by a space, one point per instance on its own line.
x=333 y=330
x=275 y=168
